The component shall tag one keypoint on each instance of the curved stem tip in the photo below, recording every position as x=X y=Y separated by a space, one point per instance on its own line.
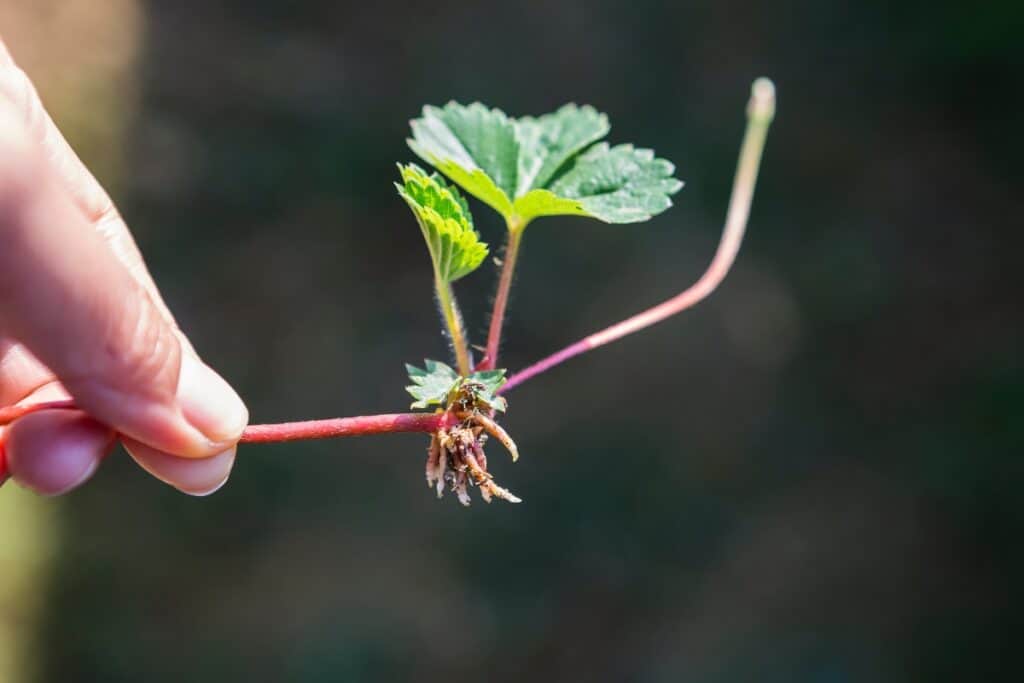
x=760 y=112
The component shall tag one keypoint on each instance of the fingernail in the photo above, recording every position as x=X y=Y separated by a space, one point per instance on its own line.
x=204 y=494
x=209 y=403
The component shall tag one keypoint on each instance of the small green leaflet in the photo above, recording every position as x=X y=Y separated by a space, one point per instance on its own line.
x=545 y=166
x=437 y=384
x=483 y=385
x=432 y=385
x=447 y=225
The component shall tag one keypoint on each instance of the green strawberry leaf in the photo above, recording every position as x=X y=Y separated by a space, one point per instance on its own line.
x=444 y=218
x=438 y=384
x=483 y=387
x=474 y=146
x=619 y=184
x=547 y=142
x=546 y=166
x=431 y=385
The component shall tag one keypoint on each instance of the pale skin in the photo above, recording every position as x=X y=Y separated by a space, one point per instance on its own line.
x=81 y=318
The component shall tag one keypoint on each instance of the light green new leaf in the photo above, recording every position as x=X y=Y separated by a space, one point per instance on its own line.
x=530 y=167
x=447 y=225
x=431 y=385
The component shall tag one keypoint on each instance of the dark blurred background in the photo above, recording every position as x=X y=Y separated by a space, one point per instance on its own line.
x=814 y=476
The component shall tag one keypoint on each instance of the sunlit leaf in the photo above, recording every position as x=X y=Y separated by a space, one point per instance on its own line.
x=620 y=184
x=546 y=143
x=474 y=146
x=545 y=166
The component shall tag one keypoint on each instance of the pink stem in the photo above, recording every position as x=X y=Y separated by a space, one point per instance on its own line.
x=345 y=426
x=270 y=433
x=546 y=364
x=287 y=431
x=760 y=111
x=490 y=359
x=711 y=278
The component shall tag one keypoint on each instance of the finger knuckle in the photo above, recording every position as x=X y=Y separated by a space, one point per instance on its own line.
x=149 y=355
x=136 y=354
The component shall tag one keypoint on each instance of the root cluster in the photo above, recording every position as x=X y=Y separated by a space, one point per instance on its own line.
x=456 y=458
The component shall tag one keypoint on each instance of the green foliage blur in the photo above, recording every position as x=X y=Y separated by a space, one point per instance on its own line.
x=814 y=476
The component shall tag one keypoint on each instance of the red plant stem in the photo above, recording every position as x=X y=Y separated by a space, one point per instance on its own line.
x=760 y=112
x=362 y=425
x=288 y=431
x=545 y=364
x=508 y=266
x=707 y=283
x=344 y=426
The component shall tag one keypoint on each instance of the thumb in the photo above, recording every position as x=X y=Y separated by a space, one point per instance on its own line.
x=72 y=302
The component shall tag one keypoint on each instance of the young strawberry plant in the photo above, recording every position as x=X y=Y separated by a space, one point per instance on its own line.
x=524 y=169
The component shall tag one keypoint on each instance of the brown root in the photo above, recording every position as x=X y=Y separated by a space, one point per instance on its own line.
x=433 y=459
x=495 y=430
x=456 y=459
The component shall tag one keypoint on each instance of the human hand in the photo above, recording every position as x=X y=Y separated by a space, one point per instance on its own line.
x=80 y=317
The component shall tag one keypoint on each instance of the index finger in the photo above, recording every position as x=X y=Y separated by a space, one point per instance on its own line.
x=85 y=190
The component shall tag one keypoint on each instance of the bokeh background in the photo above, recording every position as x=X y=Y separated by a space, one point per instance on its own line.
x=814 y=476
